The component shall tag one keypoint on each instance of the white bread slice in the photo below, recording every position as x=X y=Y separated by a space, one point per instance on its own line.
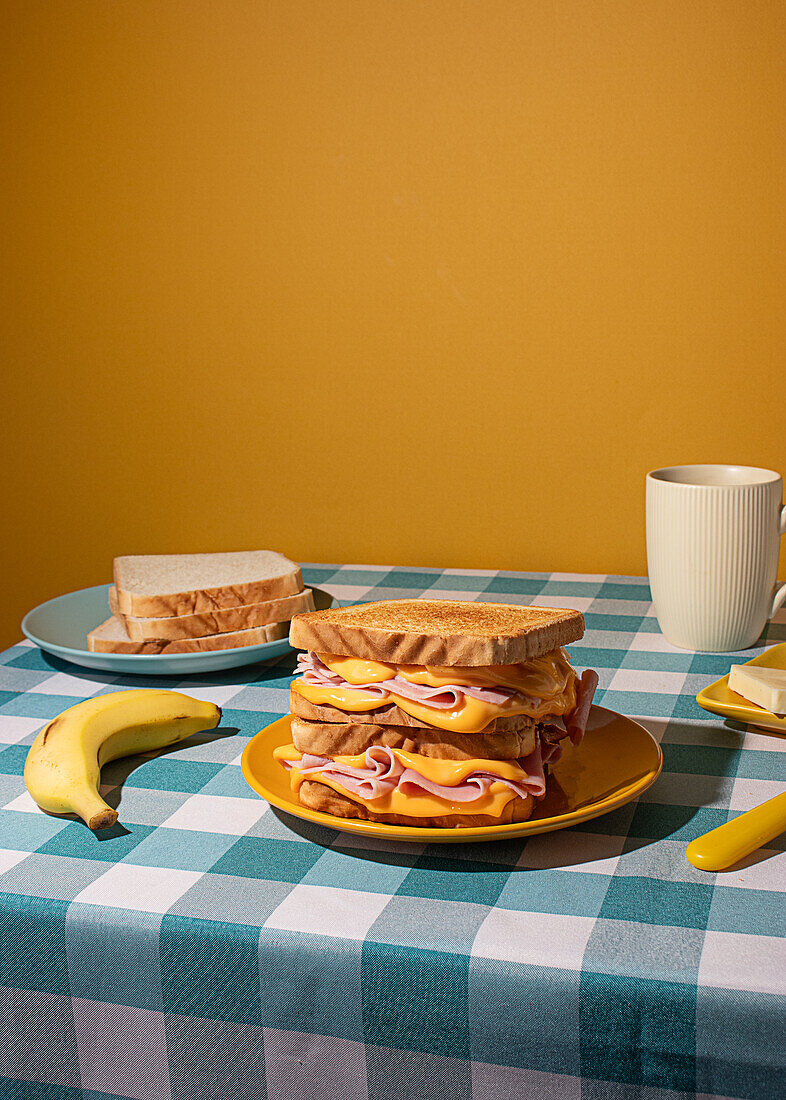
x=225 y=619
x=150 y=585
x=112 y=637
x=438 y=632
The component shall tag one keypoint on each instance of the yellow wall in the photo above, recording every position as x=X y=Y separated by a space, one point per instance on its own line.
x=395 y=281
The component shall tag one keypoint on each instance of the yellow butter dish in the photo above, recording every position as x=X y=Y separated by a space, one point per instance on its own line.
x=718 y=698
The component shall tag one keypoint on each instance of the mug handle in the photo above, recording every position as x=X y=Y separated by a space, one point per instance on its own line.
x=780 y=595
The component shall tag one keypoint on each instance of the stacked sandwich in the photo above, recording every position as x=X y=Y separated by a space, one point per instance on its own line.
x=187 y=603
x=432 y=712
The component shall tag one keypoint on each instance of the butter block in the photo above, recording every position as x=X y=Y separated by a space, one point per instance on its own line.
x=766 y=687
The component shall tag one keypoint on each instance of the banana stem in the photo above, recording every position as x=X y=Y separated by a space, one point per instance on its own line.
x=94 y=811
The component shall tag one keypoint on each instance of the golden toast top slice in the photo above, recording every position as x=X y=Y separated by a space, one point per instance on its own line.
x=438 y=632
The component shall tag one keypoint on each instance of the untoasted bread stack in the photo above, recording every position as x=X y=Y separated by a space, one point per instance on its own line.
x=190 y=603
x=432 y=712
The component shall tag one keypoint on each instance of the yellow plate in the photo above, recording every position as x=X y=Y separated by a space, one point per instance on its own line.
x=617 y=760
x=718 y=699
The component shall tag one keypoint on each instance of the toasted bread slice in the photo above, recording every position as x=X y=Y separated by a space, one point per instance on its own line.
x=389 y=715
x=352 y=738
x=203 y=623
x=438 y=632
x=151 y=585
x=112 y=637
x=320 y=797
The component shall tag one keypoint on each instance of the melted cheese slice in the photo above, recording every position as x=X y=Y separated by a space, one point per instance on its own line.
x=447 y=773
x=343 y=698
x=542 y=676
x=357 y=671
x=546 y=686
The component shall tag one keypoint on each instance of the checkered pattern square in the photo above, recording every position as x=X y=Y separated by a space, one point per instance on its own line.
x=204 y=947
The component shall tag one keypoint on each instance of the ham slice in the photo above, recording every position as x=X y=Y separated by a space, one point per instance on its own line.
x=379 y=776
x=552 y=751
x=449 y=697
x=576 y=721
x=572 y=725
x=383 y=772
x=312 y=670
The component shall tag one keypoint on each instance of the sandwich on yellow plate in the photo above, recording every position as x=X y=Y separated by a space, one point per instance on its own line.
x=432 y=712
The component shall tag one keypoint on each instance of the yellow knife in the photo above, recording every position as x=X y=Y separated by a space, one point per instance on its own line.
x=729 y=843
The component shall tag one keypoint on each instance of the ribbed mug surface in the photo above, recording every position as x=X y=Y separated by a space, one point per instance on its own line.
x=712 y=553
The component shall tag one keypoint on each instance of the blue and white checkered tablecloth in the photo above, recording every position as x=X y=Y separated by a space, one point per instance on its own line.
x=211 y=947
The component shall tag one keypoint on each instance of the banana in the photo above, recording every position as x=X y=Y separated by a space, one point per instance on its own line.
x=65 y=760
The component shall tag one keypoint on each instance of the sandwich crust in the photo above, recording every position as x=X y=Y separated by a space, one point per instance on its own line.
x=390 y=715
x=438 y=632
x=319 y=797
x=352 y=738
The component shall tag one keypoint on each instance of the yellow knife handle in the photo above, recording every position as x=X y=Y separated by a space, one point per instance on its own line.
x=727 y=844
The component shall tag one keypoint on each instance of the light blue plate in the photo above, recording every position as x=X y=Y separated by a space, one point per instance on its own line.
x=60 y=627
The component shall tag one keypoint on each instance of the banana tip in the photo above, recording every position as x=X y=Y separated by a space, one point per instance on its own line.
x=105 y=819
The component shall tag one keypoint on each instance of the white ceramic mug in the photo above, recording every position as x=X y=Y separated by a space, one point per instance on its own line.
x=713 y=538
